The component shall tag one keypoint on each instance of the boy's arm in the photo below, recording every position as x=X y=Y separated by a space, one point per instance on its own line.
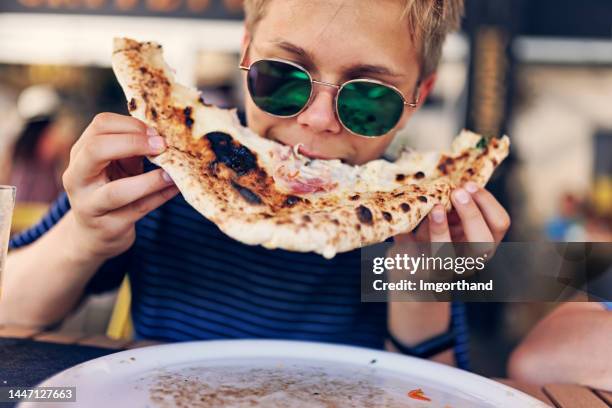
x=477 y=217
x=108 y=194
x=44 y=281
x=415 y=322
x=572 y=344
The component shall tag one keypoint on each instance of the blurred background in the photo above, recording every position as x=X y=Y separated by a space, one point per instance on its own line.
x=539 y=71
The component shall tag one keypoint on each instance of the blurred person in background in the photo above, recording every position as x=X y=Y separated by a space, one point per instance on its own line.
x=39 y=153
x=570 y=345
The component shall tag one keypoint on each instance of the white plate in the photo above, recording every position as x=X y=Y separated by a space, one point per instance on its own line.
x=274 y=374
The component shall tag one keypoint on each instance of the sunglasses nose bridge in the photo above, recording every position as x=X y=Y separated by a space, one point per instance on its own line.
x=328 y=84
x=313 y=93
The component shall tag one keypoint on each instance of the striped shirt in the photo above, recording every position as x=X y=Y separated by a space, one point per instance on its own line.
x=190 y=281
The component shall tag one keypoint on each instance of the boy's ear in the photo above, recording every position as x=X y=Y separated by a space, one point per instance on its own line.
x=246 y=40
x=426 y=86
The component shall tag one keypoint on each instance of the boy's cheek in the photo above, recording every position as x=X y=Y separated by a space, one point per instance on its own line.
x=258 y=121
x=368 y=149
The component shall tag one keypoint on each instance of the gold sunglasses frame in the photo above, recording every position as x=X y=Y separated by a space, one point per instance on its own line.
x=338 y=88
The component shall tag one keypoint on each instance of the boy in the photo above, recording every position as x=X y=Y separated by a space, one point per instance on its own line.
x=189 y=281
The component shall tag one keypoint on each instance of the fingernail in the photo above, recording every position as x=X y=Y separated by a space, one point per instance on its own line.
x=471 y=187
x=152 y=132
x=157 y=143
x=437 y=215
x=462 y=196
x=167 y=177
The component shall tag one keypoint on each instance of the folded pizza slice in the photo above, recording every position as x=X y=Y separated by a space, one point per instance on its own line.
x=259 y=191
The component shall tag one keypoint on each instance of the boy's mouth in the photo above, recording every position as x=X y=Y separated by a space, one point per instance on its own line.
x=303 y=149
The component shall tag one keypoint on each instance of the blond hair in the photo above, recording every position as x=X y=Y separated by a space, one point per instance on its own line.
x=430 y=21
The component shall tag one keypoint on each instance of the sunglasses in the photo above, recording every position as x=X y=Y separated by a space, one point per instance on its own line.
x=365 y=107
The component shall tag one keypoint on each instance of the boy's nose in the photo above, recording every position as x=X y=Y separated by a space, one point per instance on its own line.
x=320 y=115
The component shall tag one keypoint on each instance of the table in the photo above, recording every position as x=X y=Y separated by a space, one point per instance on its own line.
x=22 y=350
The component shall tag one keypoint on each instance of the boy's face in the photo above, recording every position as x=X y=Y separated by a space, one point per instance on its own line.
x=335 y=41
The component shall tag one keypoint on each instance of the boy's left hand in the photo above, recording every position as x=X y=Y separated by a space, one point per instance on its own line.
x=477 y=216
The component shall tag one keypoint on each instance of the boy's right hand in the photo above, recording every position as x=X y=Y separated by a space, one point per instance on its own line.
x=107 y=188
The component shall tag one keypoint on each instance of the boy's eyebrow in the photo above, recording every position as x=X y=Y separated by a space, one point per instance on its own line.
x=293 y=49
x=356 y=70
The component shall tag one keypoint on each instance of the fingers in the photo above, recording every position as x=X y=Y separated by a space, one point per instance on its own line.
x=109 y=123
x=114 y=225
x=132 y=166
x=100 y=150
x=125 y=191
x=403 y=238
x=438 y=225
x=138 y=209
x=495 y=215
x=474 y=225
x=421 y=233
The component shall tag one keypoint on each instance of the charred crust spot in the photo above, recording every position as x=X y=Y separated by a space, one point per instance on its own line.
x=235 y=156
x=364 y=214
x=405 y=207
x=443 y=169
x=291 y=200
x=470 y=171
x=355 y=197
x=132 y=105
x=247 y=194
x=188 y=119
x=143 y=70
x=387 y=216
x=422 y=199
x=398 y=194
x=419 y=175
x=335 y=222
x=358 y=227
x=213 y=167
x=449 y=161
x=267 y=216
x=494 y=143
x=154 y=113
x=494 y=161
x=306 y=218
x=400 y=177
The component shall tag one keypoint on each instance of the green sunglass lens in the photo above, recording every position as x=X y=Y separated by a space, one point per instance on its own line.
x=278 y=88
x=369 y=109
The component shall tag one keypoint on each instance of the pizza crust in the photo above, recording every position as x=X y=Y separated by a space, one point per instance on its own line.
x=227 y=172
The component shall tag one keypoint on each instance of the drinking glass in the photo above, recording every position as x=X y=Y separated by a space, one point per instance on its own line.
x=7 y=203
